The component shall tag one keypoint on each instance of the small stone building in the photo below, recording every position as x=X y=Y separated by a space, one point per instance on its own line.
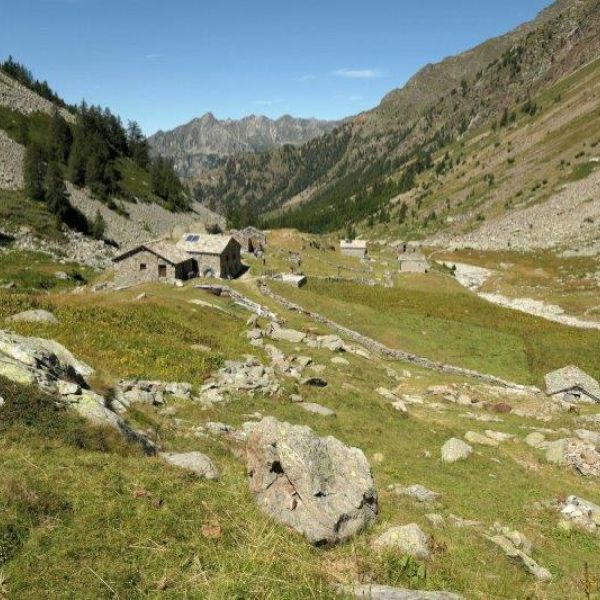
x=250 y=239
x=573 y=385
x=214 y=255
x=413 y=263
x=356 y=248
x=154 y=261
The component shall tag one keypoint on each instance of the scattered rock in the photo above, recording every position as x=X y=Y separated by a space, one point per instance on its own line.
x=196 y=462
x=536 y=440
x=400 y=407
x=317 y=409
x=276 y=332
x=314 y=382
x=454 y=450
x=555 y=452
x=591 y=437
x=61 y=275
x=385 y=592
x=34 y=316
x=499 y=436
x=583 y=513
x=416 y=491
x=436 y=520
x=317 y=486
x=520 y=557
x=461 y=523
x=478 y=438
x=407 y=539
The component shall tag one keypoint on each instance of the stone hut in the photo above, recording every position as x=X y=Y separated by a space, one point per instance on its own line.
x=250 y=239
x=214 y=255
x=413 y=263
x=356 y=248
x=154 y=261
x=573 y=385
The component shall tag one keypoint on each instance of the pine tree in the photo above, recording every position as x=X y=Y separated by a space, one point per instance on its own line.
x=34 y=171
x=137 y=145
x=98 y=226
x=56 y=194
x=60 y=138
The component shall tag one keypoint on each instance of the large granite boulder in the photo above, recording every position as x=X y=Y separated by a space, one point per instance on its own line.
x=34 y=316
x=317 y=486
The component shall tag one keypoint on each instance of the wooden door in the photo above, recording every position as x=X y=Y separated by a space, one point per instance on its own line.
x=162 y=270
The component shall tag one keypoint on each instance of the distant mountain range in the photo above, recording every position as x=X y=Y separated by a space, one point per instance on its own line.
x=417 y=136
x=200 y=144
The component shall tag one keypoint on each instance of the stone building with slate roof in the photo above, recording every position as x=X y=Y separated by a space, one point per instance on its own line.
x=154 y=261
x=214 y=255
x=251 y=239
x=573 y=385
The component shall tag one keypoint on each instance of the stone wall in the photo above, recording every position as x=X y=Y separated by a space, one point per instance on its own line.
x=355 y=252
x=390 y=353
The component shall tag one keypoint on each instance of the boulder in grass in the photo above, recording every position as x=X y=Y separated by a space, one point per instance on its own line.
x=317 y=485
x=34 y=316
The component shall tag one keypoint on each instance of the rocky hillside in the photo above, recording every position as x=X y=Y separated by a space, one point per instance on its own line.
x=358 y=168
x=131 y=213
x=202 y=142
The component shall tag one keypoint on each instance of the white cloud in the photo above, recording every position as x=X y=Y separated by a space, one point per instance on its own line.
x=358 y=73
x=306 y=78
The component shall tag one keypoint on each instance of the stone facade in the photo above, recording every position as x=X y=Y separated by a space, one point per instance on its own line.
x=215 y=255
x=413 y=264
x=142 y=265
x=356 y=248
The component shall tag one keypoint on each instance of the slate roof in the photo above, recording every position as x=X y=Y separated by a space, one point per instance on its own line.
x=563 y=380
x=161 y=248
x=204 y=243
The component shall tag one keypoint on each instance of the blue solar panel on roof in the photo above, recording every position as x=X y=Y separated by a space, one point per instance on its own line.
x=189 y=238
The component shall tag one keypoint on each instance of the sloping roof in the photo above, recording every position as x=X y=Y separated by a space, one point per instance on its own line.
x=161 y=248
x=204 y=243
x=354 y=244
x=571 y=377
x=250 y=230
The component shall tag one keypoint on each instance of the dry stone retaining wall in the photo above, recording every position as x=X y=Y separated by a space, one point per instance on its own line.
x=393 y=354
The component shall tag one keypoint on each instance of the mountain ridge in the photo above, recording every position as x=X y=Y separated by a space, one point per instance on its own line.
x=202 y=142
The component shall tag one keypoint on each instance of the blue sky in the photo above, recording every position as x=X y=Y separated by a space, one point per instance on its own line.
x=164 y=62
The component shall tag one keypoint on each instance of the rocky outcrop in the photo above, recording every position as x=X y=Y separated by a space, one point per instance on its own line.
x=135 y=391
x=317 y=486
x=144 y=221
x=17 y=97
x=518 y=548
x=11 y=163
x=198 y=144
x=50 y=366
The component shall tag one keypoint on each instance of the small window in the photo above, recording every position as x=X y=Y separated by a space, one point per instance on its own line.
x=143 y=266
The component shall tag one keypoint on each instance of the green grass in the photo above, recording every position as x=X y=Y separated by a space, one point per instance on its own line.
x=34 y=271
x=17 y=210
x=15 y=124
x=86 y=517
x=147 y=339
x=435 y=317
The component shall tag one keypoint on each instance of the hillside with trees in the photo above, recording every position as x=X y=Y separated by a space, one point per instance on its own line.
x=353 y=173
